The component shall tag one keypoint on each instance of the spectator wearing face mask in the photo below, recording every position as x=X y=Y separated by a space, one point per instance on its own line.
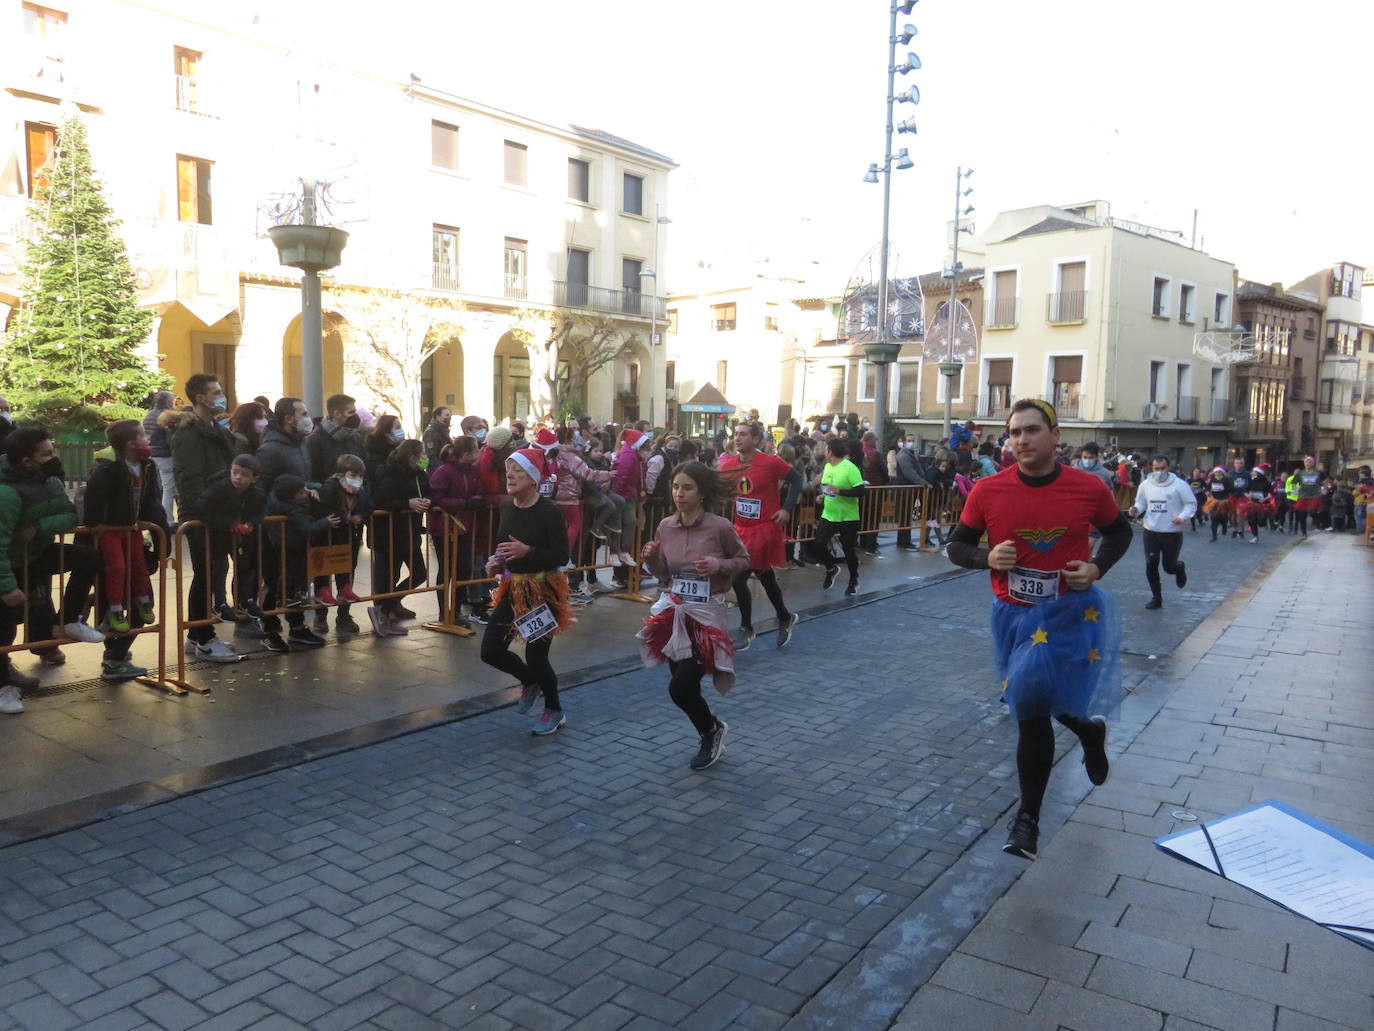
x=345 y=495
x=437 y=434
x=202 y=446
x=335 y=436
x=474 y=426
x=248 y=423
x=378 y=445
x=1091 y=462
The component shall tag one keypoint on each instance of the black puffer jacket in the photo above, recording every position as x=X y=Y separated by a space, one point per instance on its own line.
x=200 y=449
x=281 y=453
x=113 y=500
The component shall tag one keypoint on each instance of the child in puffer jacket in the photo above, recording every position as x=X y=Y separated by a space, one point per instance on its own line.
x=290 y=498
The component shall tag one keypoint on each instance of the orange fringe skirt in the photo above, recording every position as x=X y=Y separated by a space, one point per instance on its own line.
x=527 y=591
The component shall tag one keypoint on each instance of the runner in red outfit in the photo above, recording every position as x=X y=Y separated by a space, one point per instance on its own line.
x=761 y=514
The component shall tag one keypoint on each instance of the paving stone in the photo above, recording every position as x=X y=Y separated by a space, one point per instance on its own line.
x=1230 y=1011
x=1070 y=1006
x=938 y=1007
x=1107 y=940
x=989 y=981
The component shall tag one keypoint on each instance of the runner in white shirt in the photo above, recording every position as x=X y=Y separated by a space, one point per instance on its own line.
x=1166 y=504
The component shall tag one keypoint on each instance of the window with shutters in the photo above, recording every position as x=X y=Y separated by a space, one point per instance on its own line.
x=906 y=388
x=40 y=144
x=836 y=401
x=1159 y=298
x=996 y=399
x=633 y=203
x=1187 y=294
x=1001 y=313
x=186 y=68
x=445 y=257
x=579 y=180
x=868 y=380
x=1069 y=303
x=1067 y=382
x=516 y=155
x=579 y=269
x=722 y=317
x=443 y=145
x=517 y=268
x=193 y=190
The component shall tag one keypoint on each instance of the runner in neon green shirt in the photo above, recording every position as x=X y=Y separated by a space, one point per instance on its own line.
x=841 y=487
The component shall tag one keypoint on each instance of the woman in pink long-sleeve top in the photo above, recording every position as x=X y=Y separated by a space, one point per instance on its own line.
x=696 y=555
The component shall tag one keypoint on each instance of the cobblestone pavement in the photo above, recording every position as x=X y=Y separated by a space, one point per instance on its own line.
x=473 y=876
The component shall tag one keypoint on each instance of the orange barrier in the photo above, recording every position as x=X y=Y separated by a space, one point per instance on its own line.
x=161 y=681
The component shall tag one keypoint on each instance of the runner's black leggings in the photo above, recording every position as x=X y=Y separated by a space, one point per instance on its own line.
x=1221 y=523
x=849 y=537
x=1300 y=520
x=1035 y=756
x=685 y=691
x=1160 y=545
x=535 y=669
x=745 y=601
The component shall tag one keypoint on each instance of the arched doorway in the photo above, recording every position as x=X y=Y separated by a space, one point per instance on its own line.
x=441 y=375
x=511 y=380
x=292 y=371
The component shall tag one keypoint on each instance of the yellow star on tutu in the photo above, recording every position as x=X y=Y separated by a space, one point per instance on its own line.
x=1005 y=682
x=1094 y=656
x=1090 y=614
x=1040 y=637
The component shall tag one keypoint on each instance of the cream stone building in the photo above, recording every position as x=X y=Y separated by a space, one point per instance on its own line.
x=1098 y=315
x=1340 y=369
x=474 y=232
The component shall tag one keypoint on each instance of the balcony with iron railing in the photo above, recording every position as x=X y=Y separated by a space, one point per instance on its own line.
x=1187 y=409
x=1001 y=313
x=994 y=404
x=445 y=277
x=1221 y=410
x=189 y=97
x=1068 y=404
x=1066 y=308
x=602 y=299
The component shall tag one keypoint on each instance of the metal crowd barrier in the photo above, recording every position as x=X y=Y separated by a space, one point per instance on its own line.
x=42 y=594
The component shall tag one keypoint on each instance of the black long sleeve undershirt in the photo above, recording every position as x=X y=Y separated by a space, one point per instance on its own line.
x=964 y=549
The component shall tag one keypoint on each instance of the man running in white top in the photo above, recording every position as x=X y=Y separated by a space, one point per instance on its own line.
x=1166 y=504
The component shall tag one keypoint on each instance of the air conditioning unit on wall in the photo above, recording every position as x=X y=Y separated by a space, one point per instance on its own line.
x=1152 y=412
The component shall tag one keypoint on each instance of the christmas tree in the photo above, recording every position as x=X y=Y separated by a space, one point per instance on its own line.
x=70 y=357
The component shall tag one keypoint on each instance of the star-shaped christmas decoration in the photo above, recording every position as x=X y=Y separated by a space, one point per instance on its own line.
x=1094 y=656
x=1090 y=614
x=1039 y=637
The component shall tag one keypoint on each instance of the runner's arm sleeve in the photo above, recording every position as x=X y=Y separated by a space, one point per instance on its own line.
x=964 y=548
x=794 y=489
x=1189 y=499
x=1116 y=541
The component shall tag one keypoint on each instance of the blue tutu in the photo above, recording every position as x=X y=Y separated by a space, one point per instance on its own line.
x=1062 y=657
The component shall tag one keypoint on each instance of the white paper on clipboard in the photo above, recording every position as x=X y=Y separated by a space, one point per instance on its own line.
x=1291 y=858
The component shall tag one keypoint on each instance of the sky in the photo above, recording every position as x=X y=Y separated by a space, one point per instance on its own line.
x=1250 y=112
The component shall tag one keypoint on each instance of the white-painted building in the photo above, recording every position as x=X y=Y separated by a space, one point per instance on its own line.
x=473 y=230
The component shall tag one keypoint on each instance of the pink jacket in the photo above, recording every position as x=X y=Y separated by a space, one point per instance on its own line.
x=572 y=473
x=456 y=489
x=629 y=473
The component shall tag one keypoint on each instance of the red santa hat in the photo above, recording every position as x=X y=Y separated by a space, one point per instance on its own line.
x=636 y=439
x=533 y=461
x=546 y=439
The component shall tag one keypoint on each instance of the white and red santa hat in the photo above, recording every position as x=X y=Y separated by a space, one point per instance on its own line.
x=546 y=440
x=636 y=439
x=534 y=462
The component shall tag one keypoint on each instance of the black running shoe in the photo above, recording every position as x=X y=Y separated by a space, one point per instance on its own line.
x=829 y=580
x=712 y=745
x=1154 y=603
x=1024 y=838
x=1095 y=751
x=746 y=638
x=852 y=589
x=785 y=629
x=1181 y=577
x=274 y=642
x=304 y=635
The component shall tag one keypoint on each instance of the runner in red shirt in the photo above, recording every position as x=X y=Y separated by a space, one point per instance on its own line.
x=1056 y=637
x=761 y=514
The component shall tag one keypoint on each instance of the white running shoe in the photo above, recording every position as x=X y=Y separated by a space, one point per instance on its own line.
x=625 y=559
x=216 y=650
x=9 y=700
x=79 y=631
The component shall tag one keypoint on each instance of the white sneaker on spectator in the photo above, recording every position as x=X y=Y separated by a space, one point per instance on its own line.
x=625 y=559
x=78 y=631
x=217 y=651
x=9 y=700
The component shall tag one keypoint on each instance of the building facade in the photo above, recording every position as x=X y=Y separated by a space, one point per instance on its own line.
x=1273 y=395
x=475 y=233
x=1339 y=293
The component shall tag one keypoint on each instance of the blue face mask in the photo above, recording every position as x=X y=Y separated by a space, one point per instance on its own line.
x=825 y=427
x=220 y=403
x=399 y=434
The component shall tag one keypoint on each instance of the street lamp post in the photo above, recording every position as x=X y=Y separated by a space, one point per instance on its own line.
x=949 y=368
x=882 y=352
x=312 y=249
x=645 y=274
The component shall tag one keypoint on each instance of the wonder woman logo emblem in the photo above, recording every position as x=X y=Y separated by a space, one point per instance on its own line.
x=744 y=486
x=1042 y=540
